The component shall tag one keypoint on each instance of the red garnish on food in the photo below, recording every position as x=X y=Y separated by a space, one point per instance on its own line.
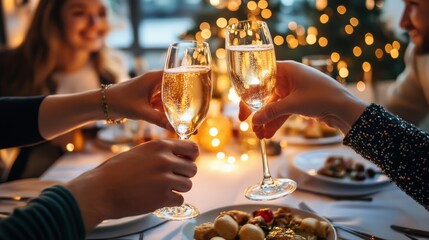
x=266 y=214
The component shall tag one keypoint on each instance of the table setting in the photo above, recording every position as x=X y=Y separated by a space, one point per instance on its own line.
x=292 y=184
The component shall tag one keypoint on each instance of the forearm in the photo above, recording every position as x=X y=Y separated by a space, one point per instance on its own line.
x=399 y=148
x=53 y=215
x=61 y=113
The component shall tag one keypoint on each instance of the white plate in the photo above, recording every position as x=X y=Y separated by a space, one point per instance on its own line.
x=310 y=162
x=209 y=216
x=124 y=226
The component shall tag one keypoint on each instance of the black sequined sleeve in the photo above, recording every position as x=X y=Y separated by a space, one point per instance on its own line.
x=400 y=149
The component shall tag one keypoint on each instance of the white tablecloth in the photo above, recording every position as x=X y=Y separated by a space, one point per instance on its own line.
x=218 y=184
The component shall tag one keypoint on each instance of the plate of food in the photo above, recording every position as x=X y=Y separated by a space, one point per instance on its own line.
x=258 y=222
x=307 y=131
x=340 y=166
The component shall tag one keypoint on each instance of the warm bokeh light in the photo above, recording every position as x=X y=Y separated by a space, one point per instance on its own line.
x=354 y=21
x=370 y=4
x=300 y=30
x=366 y=66
x=232 y=20
x=213 y=132
x=321 y=4
x=360 y=86
x=252 y=5
x=204 y=25
x=394 y=53
x=233 y=5
x=341 y=9
x=206 y=33
x=221 y=22
x=335 y=57
x=388 y=47
x=262 y=4
x=244 y=157
x=343 y=72
x=323 y=42
x=348 y=29
x=311 y=39
x=266 y=13
x=379 y=53
x=369 y=39
x=324 y=18
x=244 y=126
x=312 y=30
x=341 y=64
x=357 y=51
x=220 y=155
x=396 y=45
x=278 y=40
x=292 y=26
x=70 y=147
x=220 y=53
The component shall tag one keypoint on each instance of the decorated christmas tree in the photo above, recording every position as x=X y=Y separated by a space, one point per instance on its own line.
x=351 y=32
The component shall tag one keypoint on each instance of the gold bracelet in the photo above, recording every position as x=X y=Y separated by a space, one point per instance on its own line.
x=105 y=107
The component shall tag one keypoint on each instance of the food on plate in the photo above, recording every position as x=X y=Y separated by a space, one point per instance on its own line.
x=307 y=127
x=226 y=226
x=251 y=232
x=346 y=167
x=262 y=224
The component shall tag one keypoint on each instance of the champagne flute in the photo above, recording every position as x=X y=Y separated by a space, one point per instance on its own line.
x=186 y=92
x=251 y=65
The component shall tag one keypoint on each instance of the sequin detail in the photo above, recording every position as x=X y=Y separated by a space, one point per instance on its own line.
x=397 y=147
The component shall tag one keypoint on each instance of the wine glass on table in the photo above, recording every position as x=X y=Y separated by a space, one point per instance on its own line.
x=251 y=65
x=186 y=92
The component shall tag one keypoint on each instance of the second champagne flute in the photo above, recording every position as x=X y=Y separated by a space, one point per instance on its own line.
x=251 y=65
x=186 y=92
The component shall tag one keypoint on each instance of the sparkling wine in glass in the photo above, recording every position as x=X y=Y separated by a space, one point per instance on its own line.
x=251 y=65
x=186 y=92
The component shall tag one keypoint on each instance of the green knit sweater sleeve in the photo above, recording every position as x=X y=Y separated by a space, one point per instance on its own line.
x=53 y=215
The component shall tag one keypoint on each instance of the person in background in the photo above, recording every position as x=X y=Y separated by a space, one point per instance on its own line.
x=147 y=177
x=399 y=148
x=408 y=97
x=63 y=52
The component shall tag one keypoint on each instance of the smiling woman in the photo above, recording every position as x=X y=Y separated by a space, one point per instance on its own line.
x=63 y=52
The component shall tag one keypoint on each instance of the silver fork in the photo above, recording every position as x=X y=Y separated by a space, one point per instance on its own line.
x=348 y=229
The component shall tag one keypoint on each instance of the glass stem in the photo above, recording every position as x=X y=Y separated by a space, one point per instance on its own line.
x=267 y=180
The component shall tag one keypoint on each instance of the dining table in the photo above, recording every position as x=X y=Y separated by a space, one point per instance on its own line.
x=221 y=181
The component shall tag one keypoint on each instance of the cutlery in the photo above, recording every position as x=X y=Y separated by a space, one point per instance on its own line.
x=411 y=237
x=411 y=231
x=15 y=198
x=348 y=229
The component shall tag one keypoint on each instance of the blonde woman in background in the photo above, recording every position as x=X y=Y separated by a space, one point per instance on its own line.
x=63 y=52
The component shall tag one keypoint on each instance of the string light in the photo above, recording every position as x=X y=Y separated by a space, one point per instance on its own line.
x=369 y=39
x=324 y=18
x=278 y=40
x=357 y=51
x=341 y=9
x=323 y=42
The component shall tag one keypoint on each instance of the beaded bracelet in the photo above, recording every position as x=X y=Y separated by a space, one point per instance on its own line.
x=105 y=107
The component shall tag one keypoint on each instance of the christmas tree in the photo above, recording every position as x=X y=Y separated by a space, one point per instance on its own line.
x=350 y=32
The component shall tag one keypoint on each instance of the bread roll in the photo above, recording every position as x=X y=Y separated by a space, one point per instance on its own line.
x=251 y=232
x=226 y=227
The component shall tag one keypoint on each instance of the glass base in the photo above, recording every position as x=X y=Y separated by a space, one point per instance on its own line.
x=279 y=188
x=183 y=212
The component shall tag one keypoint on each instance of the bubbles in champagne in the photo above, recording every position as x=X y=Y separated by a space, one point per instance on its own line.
x=252 y=70
x=186 y=94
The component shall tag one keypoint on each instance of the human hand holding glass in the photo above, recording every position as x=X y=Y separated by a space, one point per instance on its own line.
x=186 y=92
x=252 y=70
